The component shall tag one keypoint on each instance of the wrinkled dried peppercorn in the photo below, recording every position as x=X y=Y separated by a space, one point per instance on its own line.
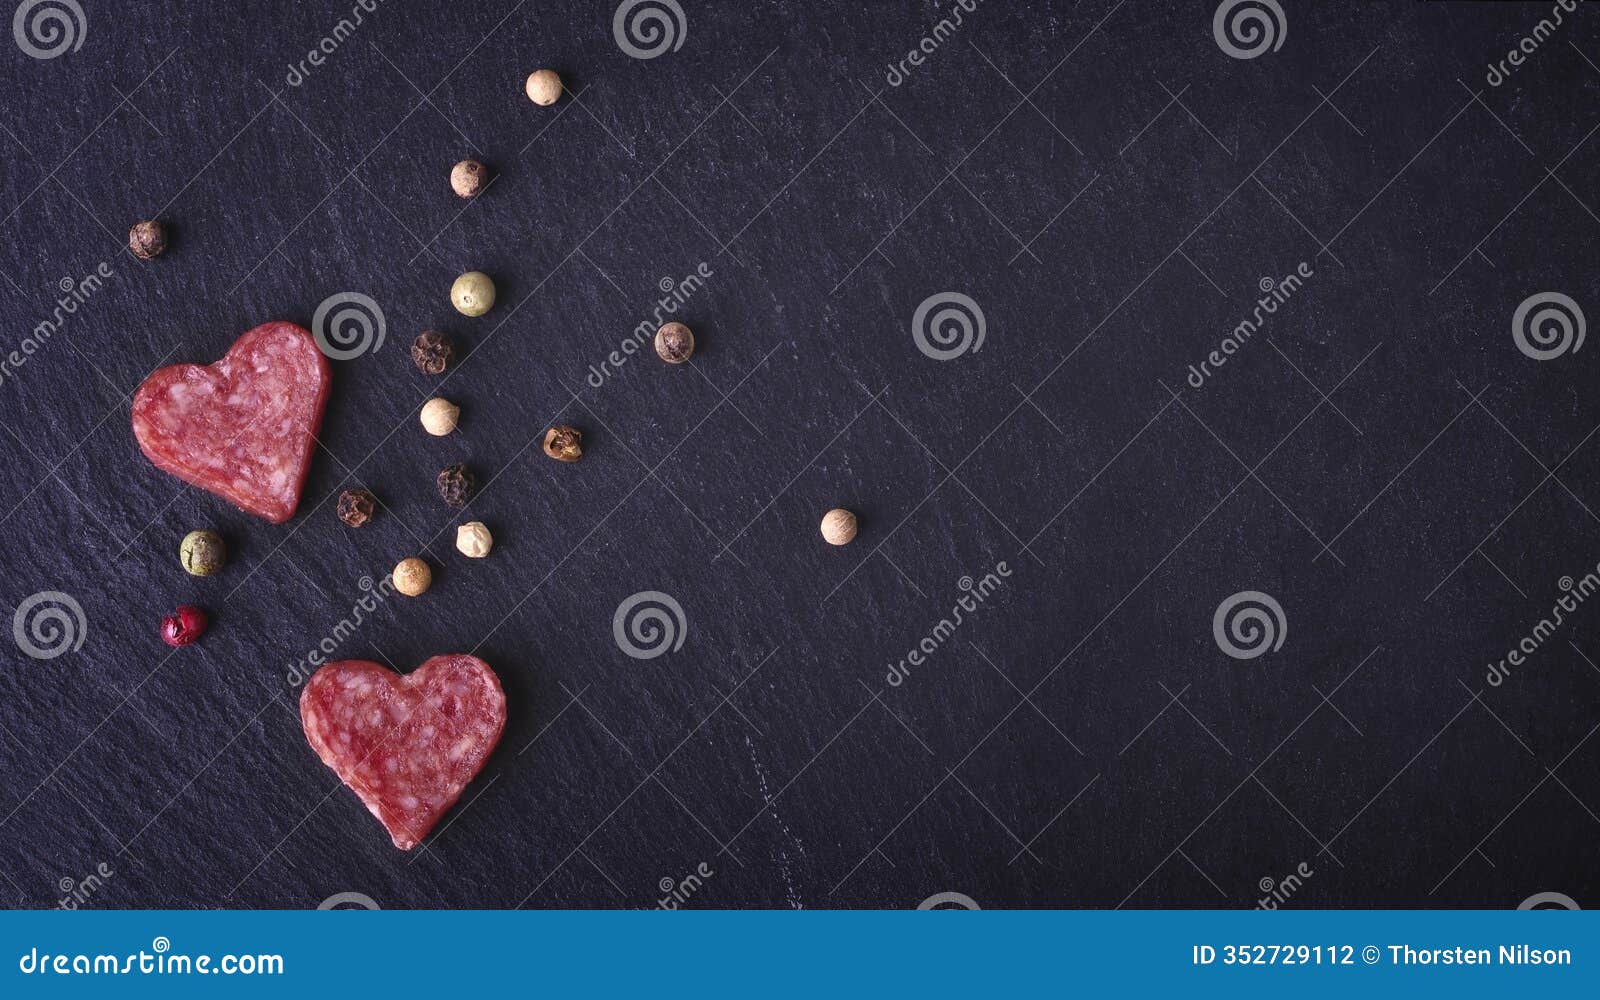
x=675 y=343
x=432 y=352
x=456 y=484
x=355 y=507
x=147 y=239
x=564 y=444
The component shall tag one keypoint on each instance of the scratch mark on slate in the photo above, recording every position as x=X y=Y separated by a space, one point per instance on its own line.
x=783 y=856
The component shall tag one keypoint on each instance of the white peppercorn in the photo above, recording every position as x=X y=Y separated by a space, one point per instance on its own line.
x=473 y=539
x=439 y=416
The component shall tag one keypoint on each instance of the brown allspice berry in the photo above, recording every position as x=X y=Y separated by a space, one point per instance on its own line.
x=468 y=177
x=432 y=352
x=147 y=239
x=675 y=343
x=456 y=484
x=355 y=507
x=563 y=443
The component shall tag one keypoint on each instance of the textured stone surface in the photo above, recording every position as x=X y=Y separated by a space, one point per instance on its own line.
x=1112 y=229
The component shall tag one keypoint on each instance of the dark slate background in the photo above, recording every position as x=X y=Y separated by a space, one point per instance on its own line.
x=1103 y=180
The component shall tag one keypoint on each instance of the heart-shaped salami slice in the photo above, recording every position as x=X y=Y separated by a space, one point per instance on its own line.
x=407 y=745
x=243 y=428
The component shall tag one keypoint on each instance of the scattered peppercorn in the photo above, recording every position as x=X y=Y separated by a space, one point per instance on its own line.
x=184 y=625
x=439 y=416
x=473 y=539
x=202 y=553
x=147 y=239
x=544 y=87
x=412 y=576
x=468 y=177
x=432 y=352
x=563 y=443
x=356 y=507
x=675 y=343
x=456 y=484
x=472 y=294
x=838 y=527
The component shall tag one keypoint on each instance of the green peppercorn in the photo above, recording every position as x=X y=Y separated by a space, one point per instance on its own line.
x=202 y=553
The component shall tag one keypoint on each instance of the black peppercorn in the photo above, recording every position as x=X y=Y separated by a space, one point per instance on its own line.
x=147 y=239
x=675 y=343
x=563 y=443
x=355 y=507
x=432 y=352
x=456 y=484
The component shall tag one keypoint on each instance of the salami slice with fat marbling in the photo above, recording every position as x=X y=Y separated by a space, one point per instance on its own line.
x=406 y=744
x=243 y=428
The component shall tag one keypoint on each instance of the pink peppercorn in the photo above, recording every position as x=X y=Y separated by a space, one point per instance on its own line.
x=184 y=626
